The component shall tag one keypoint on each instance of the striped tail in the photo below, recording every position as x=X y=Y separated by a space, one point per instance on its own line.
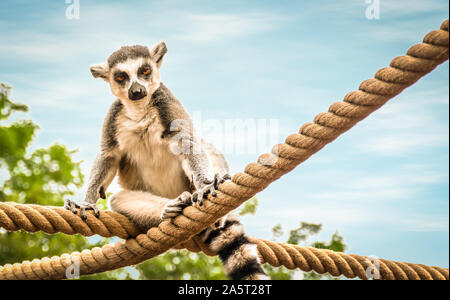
x=239 y=256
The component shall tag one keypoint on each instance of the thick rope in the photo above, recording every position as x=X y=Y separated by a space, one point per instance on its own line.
x=341 y=116
x=32 y=218
x=50 y=219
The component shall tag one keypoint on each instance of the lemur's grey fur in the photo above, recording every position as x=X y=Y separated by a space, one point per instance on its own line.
x=141 y=141
x=109 y=140
x=167 y=110
x=128 y=53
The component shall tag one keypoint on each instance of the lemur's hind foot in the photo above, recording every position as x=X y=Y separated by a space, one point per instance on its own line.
x=73 y=206
x=174 y=207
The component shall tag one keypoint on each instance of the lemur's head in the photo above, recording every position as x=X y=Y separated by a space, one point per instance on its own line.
x=132 y=71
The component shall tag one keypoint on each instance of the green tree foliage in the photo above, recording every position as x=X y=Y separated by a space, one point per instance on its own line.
x=182 y=264
x=299 y=236
x=249 y=207
x=47 y=176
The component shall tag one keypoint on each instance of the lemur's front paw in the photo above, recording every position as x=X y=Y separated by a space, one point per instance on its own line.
x=209 y=187
x=174 y=207
x=73 y=206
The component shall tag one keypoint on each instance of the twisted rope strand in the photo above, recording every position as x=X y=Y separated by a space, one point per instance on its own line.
x=341 y=116
x=50 y=219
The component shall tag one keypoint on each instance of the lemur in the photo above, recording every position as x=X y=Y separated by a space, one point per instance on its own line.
x=144 y=140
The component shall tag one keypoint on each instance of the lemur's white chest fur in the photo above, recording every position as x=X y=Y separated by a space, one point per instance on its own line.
x=156 y=167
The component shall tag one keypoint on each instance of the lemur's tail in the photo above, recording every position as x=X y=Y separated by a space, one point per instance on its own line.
x=239 y=256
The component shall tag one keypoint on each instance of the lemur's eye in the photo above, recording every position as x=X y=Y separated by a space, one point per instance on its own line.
x=120 y=77
x=145 y=70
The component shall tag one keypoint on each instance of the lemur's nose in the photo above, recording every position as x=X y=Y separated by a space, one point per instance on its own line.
x=136 y=91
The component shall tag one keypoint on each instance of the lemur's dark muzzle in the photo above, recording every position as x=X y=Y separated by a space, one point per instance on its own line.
x=136 y=91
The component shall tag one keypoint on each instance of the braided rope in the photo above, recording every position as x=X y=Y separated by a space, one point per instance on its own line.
x=50 y=219
x=341 y=116
x=32 y=218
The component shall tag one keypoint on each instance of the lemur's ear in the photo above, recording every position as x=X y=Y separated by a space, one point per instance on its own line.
x=157 y=53
x=100 y=71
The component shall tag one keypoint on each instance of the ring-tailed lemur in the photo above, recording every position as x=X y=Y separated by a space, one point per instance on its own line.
x=143 y=133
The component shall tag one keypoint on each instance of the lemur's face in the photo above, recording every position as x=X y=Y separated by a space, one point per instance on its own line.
x=132 y=72
x=134 y=79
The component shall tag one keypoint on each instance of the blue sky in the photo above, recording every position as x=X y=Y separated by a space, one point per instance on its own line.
x=383 y=185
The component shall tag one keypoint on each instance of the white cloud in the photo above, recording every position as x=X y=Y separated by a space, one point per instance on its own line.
x=422 y=223
x=335 y=214
x=213 y=27
x=349 y=200
x=76 y=41
x=58 y=93
x=401 y=144
x=350 y=189
x=414 y=121
x=413 y=6
x=397 y=21
x=404 y=31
